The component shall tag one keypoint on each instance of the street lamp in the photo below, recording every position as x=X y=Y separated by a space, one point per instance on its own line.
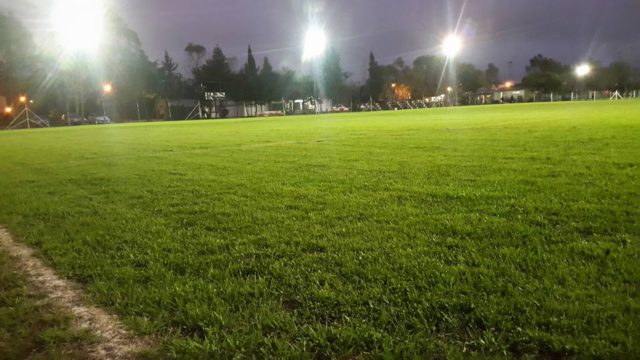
x=8 y=110
x=107 y=89
x=315 y=44
x=449 y=91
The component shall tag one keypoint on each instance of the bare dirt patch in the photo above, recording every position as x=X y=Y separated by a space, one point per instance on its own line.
x=115 y=341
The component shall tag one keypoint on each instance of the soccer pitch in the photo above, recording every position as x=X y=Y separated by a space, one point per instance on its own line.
x=492 y=230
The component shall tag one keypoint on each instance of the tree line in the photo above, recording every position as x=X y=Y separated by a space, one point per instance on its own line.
x=73 y=84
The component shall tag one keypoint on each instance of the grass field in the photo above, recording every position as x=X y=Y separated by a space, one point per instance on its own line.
x=491 y=230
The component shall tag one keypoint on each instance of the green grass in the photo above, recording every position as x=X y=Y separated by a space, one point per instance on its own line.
x=32 y=327
x=482 y=230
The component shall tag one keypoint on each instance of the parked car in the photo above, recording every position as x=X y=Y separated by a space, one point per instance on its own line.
x=102 y=120
x=75 y=119
x=340 y=108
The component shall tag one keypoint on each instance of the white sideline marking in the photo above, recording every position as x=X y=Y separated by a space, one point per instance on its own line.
x=116 y=343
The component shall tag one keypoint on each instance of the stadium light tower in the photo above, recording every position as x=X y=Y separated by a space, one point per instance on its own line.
x=79 y=24
x=29 y=116
x=583 y=70
x=315 y=44
x=451 y=46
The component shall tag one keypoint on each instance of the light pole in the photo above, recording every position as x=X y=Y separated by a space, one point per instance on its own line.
x=451 y=47
x=23 y=100
x=30 y=116
x=315 y=44
x=79 y=29
x=582 y=71
x=107 y=89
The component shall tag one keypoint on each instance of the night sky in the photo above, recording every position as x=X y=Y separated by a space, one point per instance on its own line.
x=496 y=31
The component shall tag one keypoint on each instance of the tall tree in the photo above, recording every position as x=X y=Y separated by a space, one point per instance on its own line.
x=402 y=71
x=545 y=74
x=250 y=68
x=168 y=66
x=492 y=74
x=427 y=71
x=215 y=71
x=128 y=67
x=169 y=77
x=17 y=56
x=250 y=79
x=268 y=82
x=543 y=64
x=469 y=77
x=375 y=83
x=333 y=76
x=620 y=76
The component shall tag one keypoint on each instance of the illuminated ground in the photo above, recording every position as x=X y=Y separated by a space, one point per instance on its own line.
x=496 y=230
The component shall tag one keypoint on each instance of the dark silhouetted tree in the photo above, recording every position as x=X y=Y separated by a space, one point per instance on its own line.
x=169 y=78
x=216 y=71
x=17 y=57
x=492 y=74
x=469 y=77
x=250 y=79
x=426 y=75
x=620 y=76
x=545 y=74
x=375 y=82
x=168 y=66
x=128 y=67
x=268 y=82
x=332 y=75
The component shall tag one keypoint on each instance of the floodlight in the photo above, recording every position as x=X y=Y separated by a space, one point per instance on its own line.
x=583 y=70
x=451 y=45
x=449 y=89
x=315 y=43
x=79 y=24
x=8 y=110
x=508 y=84
x=23 y=99
x=107 y=88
